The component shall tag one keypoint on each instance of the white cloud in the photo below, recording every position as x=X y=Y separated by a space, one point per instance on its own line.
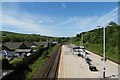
x=111 y=16
x=60 y=26
x=25 y=24
x=63 y=5
x=71 y=19
x=88 y=23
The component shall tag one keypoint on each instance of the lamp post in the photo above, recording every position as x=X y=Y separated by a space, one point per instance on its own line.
x=104 y=55
x=104 y=66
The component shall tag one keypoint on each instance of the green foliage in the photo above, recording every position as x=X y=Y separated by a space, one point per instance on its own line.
x=36 y=66
x=18 y=37
x=93 y=40
x=0 y=58
x=96 y=36
x=6 y=38
x=111 y=52
x=94 y=47
x=40 y=48
x=16 y=61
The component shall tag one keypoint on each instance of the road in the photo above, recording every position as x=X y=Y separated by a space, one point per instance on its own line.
x=72 y=66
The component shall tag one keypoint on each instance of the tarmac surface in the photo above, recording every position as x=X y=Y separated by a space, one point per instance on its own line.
x=73 y=66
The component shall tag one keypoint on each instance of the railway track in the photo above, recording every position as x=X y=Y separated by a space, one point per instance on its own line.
x=53 y=71
x=50 y=68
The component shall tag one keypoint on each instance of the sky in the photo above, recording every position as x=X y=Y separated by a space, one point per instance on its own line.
x=57 y=19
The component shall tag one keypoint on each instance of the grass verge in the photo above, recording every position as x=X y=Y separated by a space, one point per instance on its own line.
x=111 y=52
x=36 y=66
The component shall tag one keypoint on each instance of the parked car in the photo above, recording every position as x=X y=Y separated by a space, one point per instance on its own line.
x=80 y=51
x=92 y=68
x=79 y=54
x=88 y=61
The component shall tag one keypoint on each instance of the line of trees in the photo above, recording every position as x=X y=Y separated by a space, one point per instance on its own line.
x=93 y=41
x=96 y=36
x=17 y=37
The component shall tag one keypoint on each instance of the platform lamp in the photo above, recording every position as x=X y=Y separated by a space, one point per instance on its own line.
x=104 y=55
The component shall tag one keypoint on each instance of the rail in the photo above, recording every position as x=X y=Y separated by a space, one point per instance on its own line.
x=50 y=68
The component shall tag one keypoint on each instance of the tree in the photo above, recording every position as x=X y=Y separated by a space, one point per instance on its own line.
x=6 y=65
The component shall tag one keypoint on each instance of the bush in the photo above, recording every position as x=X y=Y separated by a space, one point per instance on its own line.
x=16 y=61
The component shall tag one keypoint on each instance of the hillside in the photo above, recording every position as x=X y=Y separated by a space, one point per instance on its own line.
x=93 y=40
x=18 y=37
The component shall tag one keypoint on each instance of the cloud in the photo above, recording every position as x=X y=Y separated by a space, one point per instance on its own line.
x=111 y=16
x=63 y=5
x=25 y=23
x=69 y=20
x=54 y=26
x=88 y=23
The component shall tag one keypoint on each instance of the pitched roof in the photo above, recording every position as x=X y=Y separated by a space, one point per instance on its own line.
x=3 y=47
x=29 y=44
x=13 y=45
x=45 y=44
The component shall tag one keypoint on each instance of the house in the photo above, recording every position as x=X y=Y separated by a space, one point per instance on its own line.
x=12 y=46
x=23 y=52
x=18 y=49
x=8 y=49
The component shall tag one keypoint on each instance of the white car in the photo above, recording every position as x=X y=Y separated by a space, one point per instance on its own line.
x=79 y=50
